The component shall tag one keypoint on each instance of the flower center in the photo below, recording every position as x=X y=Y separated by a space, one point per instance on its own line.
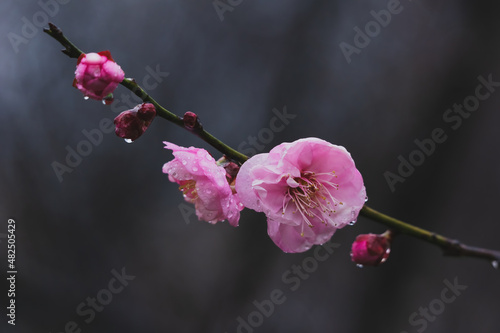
x=188 y=188
x=312 y=197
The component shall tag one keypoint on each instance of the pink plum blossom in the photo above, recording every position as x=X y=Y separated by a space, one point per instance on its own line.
x=307 y=188
x=97 y=75
x=371 y=249
x=131 y=124
x=204 y=184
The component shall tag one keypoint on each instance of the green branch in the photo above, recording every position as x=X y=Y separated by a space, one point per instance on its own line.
x=74 y=52
x=449 y=247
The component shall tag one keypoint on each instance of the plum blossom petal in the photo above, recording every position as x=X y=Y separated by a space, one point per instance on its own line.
x=203 y=183
x=97 y=75
x=308 y=189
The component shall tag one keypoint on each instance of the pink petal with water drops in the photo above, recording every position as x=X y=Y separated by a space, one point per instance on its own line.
x=307 y=188
x=203 y=183
x=97 y=75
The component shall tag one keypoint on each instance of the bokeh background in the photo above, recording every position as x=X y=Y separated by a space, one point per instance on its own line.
x=116 y=210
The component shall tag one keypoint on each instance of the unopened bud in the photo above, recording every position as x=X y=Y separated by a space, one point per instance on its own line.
x=97 y=75
x=371 y=249
x=231 y=171
x=146 y=112
x=191 y=120
x=131 y=124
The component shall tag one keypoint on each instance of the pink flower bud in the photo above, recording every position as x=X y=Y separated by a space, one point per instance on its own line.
x=97 y=75
x=371 y=249
x=131 y=124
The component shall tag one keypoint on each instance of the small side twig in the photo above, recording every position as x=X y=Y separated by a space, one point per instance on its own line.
x=69 y=48
x=450 y=247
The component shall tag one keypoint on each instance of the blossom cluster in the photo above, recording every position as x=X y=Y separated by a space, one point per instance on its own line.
x=308 y=188
x=97 y=75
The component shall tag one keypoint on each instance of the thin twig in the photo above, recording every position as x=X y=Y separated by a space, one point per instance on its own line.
x=74 y=52
x=450 y=247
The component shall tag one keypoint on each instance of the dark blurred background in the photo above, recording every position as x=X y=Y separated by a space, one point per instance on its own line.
x=116 y=213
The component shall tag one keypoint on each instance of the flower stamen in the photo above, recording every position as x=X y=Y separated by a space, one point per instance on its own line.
x=188 y=189
x=313 y=197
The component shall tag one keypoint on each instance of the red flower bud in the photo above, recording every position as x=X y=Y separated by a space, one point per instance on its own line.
x=231 y=171
x=131 y=124
x=191 y=120
x=371 y=249
x=146 y=112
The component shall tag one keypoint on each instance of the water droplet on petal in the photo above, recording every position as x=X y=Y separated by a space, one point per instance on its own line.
x=359 y=265
x=352 y=222
x=86 y=97
x=184 y=162
x=194 y=169
x=108 y=100
x=494 y=263
x=366 y=199
x=128 y=141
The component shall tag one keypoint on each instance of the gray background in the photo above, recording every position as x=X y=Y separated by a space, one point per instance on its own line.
x=116 y=209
